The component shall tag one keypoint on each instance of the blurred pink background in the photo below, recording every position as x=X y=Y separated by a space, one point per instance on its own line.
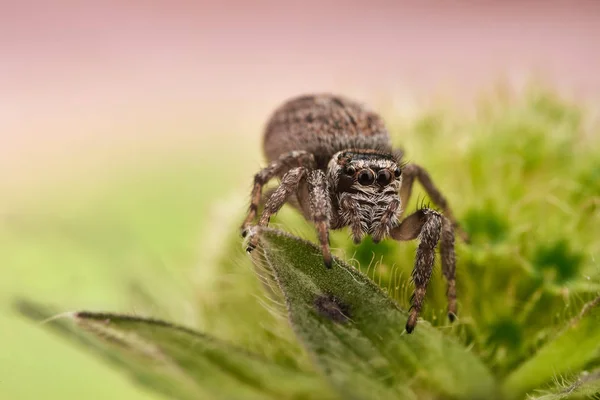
x=80 y=80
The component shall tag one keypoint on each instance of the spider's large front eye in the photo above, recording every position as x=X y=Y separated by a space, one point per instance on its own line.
x=384 y=177
x=366 y=177
x=349 y=170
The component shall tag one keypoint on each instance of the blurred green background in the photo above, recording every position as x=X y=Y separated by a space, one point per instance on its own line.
x=121 y=235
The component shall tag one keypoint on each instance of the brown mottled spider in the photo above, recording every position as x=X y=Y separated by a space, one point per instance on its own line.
x=337 y=166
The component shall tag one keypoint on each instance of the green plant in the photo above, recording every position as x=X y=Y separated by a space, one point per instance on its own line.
x=521 y=175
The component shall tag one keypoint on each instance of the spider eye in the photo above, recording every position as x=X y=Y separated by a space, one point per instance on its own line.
x=397 y=172
x=384 y=177
x=366 y=177
x=349 y=170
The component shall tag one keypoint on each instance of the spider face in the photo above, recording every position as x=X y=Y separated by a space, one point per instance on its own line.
x=363 y=171
x=365 y=184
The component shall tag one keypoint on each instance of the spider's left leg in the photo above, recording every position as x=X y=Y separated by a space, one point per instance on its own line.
x=288 y=186
x=320 y=210
x=413 y=171
x=449 y=264
x=426 y=225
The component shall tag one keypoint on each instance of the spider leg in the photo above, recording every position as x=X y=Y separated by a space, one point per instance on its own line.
x=289 y=185
x=428 y=226
x=413 y=171
x=292 y=200
x=320 y=209
x=275 y=168
x=449 y=265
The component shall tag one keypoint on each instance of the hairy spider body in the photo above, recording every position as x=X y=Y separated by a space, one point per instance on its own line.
x=322 y=125
x=336 y=164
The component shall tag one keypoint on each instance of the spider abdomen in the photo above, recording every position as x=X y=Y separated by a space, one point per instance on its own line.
x=322 y=125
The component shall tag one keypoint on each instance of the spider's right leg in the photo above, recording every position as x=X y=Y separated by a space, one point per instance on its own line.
x=276 y=168
x=289 y=185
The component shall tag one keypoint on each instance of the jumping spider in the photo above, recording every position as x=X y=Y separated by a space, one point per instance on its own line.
x=337 y=166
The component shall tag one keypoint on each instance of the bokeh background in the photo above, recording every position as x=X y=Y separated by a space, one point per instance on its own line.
x=129 y=129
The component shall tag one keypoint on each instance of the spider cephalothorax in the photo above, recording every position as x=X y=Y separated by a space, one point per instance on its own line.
x=365 y=185
x=337 y=166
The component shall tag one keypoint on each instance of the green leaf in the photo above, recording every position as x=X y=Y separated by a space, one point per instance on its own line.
x=585 y=386
x=577 y=344
x=355 y=332
x=180 y=362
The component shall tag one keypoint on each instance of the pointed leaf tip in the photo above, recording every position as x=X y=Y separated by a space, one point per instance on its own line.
x=180 y=362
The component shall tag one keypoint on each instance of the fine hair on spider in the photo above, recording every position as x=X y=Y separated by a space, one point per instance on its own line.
x=336 y=165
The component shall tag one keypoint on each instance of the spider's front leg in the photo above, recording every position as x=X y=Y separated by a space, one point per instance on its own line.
x=430 y=227
x=275 y=168
x=289 y=185
x=320 y=210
